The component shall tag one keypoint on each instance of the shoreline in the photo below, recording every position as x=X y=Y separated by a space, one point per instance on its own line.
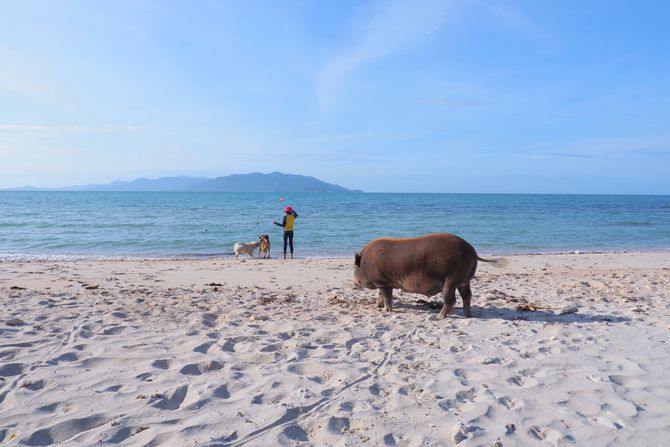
x=224 y=352
x=23 y=257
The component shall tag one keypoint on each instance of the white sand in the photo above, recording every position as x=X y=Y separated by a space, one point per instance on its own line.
x=289 y=353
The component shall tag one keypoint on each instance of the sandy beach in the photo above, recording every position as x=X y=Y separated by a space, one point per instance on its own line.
x=272 y=352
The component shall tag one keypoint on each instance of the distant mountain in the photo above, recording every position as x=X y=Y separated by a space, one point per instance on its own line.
x=24 y=188
x=254 y=182
x=143 y=184
x=181 y=183
x=272 y=182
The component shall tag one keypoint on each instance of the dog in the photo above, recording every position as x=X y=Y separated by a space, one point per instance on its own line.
x=247 y=248
x=264 y=246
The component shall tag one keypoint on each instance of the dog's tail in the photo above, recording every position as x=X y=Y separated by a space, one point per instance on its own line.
x=497 y=262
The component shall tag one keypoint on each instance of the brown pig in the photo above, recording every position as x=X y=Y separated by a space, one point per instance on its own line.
x=428 y=265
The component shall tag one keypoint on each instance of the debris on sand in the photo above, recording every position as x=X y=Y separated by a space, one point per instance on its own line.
x=530 y=307
x=14 y=322
x=568 y=309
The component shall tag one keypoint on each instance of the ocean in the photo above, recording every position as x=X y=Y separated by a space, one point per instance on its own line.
x=92 y=225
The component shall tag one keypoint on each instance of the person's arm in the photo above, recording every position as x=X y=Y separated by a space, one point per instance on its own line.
x=282 y=224
x=295 y=214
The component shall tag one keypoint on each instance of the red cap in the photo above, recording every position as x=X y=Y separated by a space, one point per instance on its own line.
x=288 y=209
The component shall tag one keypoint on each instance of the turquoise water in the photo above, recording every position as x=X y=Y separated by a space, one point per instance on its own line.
x=148 y=225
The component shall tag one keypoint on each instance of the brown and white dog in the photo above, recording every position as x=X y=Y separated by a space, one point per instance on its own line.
x=264 y=246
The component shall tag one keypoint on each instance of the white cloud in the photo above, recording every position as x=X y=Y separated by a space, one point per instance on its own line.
x=511 y=19
x=453 y=102
x=607 y=148
x=401 y=24
x=393 y=26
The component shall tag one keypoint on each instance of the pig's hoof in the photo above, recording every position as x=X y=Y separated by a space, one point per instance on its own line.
x=388 y=309
x=441 y=316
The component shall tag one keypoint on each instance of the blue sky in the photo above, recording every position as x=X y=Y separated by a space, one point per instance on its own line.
x=417 y=96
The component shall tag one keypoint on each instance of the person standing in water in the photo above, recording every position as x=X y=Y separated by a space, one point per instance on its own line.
x=287 y=224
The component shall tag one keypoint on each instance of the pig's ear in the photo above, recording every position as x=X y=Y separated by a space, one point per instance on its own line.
x=357 y=259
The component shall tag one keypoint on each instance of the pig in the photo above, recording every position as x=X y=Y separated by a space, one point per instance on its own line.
x=429 y=264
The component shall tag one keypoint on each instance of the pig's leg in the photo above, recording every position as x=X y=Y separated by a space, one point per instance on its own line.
x=449 y=297
x=466 y=295
x=387 y=295
x=380 y=299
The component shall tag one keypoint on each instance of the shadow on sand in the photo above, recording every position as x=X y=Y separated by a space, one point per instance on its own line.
x=511 y=314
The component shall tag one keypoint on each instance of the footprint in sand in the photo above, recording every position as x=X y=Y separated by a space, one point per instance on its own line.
x=162 y=363
x=286 y=335
x=293 y=433
x=389 y=440
x=196 y=369
x=9 y=354
x=84 y=333
x=410 y=390
x=174 y=401
x=338 y=425
x=209 y=319
x=460 y=398
x=11 y=369
x=112 y=389
x=627 y=381
x=144 y=377
x=222 y=392
x=120 y=435
x=204 y=347
x=271 y=347
x=523 y=381
x=609 y=420
x=462 y=432
x=65 y=430
x=228 y=345
x=64 y=358
x=50 y=408
x=509 y=402
x=35 y=385
x=114 y=330
x=461 y=375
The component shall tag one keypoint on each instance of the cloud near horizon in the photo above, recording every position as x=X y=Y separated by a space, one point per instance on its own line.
x=35 y=129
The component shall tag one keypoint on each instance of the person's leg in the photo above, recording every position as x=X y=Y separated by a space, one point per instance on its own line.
x=290 y=242
x=285 y=242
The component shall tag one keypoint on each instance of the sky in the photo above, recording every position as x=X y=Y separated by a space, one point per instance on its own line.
x=536 y=96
